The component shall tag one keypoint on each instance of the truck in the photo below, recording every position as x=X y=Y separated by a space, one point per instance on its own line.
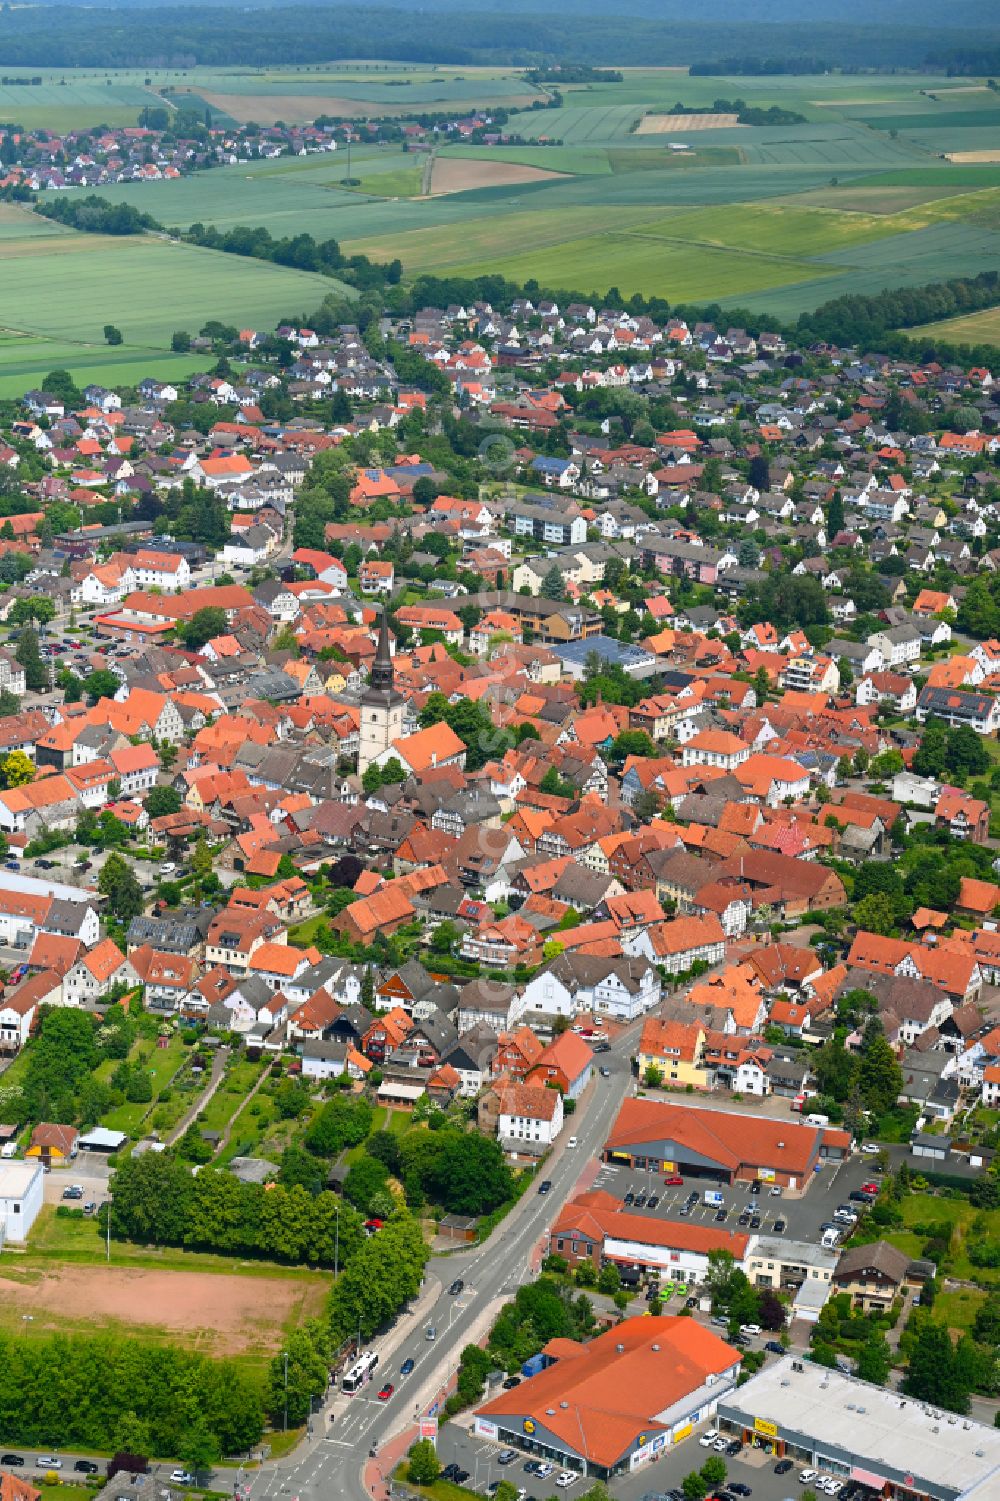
x=714 y=1197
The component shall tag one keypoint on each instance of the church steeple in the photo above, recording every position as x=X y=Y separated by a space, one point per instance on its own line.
x=382 y=675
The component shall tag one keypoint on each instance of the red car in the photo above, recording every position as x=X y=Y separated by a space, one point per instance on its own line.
x=386 y=1392
x=869 y=1188
x=675 y=1181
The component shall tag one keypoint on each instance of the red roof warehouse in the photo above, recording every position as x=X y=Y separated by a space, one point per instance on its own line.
x=720 y=1145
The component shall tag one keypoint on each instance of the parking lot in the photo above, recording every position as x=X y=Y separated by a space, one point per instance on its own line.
x=751 y=1467
x=800 y=1215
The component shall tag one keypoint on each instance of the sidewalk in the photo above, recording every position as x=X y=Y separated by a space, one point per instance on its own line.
x=215 y=1079
x=430 y=1398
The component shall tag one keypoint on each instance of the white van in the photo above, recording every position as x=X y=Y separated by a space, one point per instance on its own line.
x=818 y=1120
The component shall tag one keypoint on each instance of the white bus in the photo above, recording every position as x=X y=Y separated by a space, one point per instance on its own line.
x=360 y=1373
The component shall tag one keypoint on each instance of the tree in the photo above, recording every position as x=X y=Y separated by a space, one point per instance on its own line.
x=18 y=769
x=101 y=683
x=965 y=754
x=874 y=1359
x=875 y=913
x=365 y=1178
x=934 y=1374
x=180 y=342
x=880 y=1078
x=161 y=801
x=694 y=1487
x=552 y=585
x=202 y=863
x=36 y=607
x=203 y=625
x=118 y=883
x=771 y=1310
x=761 y=685
x=36 y=674
x=424 y=1465
x=112 y=335
x=131 y=1435
x=199 y=1450
x=931 y=757
x=713 y=1471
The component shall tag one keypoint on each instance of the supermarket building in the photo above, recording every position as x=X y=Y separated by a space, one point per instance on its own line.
x=895 y=1446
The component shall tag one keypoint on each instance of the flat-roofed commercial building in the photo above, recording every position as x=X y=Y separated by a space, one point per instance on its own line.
x=900 y=1447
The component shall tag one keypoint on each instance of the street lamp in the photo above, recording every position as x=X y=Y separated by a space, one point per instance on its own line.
x=26 y=1319
x=110 y=1201
x=285 y=1427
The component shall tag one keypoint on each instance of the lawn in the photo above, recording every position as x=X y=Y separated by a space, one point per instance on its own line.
x=236 y=1085
x=161 y=1064
x=957 y=1310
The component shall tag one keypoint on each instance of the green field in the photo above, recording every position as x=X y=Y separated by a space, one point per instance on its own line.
x=973 y=328
x=859 y=196
x=59 y=290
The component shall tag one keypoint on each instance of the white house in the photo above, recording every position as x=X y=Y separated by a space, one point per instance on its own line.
x=20 y=1197
x=530 y=1118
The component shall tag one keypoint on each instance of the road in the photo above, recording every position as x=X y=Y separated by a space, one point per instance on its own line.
x=332 y=1465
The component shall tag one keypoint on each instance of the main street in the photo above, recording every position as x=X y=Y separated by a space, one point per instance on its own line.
x=330 y=1463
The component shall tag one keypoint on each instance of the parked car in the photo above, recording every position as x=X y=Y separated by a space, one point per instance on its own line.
x=629 y=1198
x=739 y=1489
x=511 y=1382
x=74 y=1192
x=755 y=1186
x=449 y=1472
x=506 y=1456
x=544 y=1470
x=460 y=1476
x=734 y=1446
x=779 y=1227
x=566 y=1479
x=775 y=1190
x=652 y=1201
x=90 y=1208
x=674 y=1181
x=179 y=1477
x=871 y=1149
x=806 y=1477
x=605 y=1073
x=870 y=1188
x=720 y=1215
x=707 y=1439
x=640 y=1199
x=783 y=1466
x=774 y=1347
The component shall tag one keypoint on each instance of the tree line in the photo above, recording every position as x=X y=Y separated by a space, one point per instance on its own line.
x=157 y=1200
x=97 y=216
x=85 y=1391
x=301 y=251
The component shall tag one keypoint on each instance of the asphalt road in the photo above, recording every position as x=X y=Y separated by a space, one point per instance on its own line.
x=490 y=1272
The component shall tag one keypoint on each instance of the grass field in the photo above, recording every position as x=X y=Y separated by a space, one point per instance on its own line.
x=61 y=288
x=973 y=328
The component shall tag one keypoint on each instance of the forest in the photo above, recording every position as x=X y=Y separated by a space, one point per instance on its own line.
x=73 y=36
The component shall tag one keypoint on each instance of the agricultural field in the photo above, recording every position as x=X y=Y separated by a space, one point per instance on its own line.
x=973 y=328
x=59 y=290
x=859 y=195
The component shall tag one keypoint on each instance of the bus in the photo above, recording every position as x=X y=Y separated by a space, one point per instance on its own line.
x=360 y=1373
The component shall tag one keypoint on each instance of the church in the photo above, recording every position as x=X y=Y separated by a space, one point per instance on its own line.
x=381 y=705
